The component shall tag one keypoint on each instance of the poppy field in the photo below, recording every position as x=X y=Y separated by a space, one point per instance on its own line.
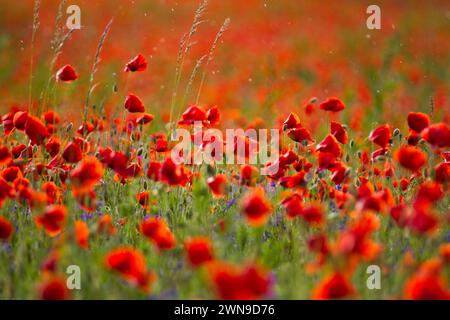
x=352 y=203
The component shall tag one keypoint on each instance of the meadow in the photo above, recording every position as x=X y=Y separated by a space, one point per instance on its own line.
x=93 y=205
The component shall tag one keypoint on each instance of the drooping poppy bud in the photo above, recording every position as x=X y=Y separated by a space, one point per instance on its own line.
x=134 y=104
x=332 y=104
x=66 y=74
x=137 y=64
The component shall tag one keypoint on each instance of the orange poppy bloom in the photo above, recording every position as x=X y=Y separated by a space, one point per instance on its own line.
x=53 y=288
x=87 y=174
x=6 y=229
x=5 y=156
x=411 y=158
x=52 y=220
x=199 y=251
x=82 y=234
x=256 y=208
x=427 y=283
x=105 y=224
x=131 y=265
x=157 y=231
x=233 y=283
x=334 y=286
x=217 y=185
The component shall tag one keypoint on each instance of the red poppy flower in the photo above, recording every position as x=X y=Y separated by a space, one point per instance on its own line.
x=11 y=173
x=52 y=146
x=326 y=160
x=334 y=286
x=248 y=175
x=218 y=185
x=87 y=174
x=156 y=230
x=20 y=119
x=35 y=130
x=52 y=192
x=438 y=135
x=52 y=220
x=256 y=208
x=72 y=153
x=291 y=122
x=6 y=229
x=50 y=117
x=232 y=283
x=145 y=118
x=332 y=104
x=53 y=288
x=66 y=74
x=293 y=205
x=417 y=121
x=85 y=128
x=300 y=134
x=5 y=155
x=442 y=172
x=153 y=170
x=318 y=243
x=105 y=225
x=378 y=153
x=411 y=158
x=7 y=121
x=137 y=64
x=191 y=115
x=338 y=173
x=381 y=135
x=427 y=283
x=213 y=116
x=423 y=220
x=429 y=191
x=199 y=251
x=339 y=132
x=330 y=144
x=134 y=104
x=131 y=265
x=82 y=234
x=313 y=214
x=143 y=199
x=173 y=174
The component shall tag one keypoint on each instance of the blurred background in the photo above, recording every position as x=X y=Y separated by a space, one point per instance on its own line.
x=275 y=56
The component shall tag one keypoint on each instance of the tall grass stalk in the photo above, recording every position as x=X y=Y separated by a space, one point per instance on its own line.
x=191 y=78
x=185 y=45
x=94 y=68
x=36 y=23
x=219 y=34
x=59 y=38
